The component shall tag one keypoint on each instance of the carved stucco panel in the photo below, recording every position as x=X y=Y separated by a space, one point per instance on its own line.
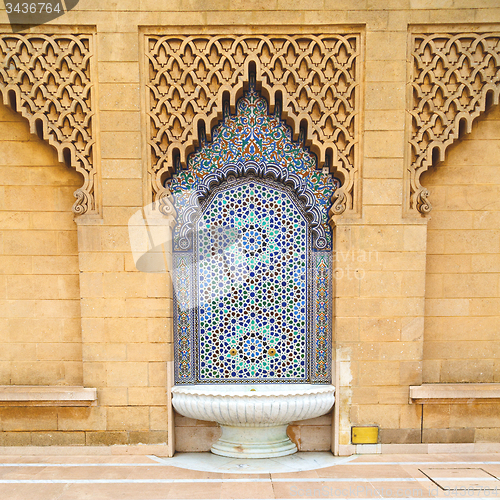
x=48 y=79
x=314 y=78
x=453 y=79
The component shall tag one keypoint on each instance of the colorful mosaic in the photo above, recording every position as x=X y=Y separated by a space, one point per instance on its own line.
x=322 y=267
x=254 y=136
x=184 y=320
x=252 y=246
x=252 y=256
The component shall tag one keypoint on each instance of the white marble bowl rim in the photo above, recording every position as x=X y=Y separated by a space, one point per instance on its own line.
x=253 y=390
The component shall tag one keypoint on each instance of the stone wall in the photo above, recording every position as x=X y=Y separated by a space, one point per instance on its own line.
x=391 y=271
x=40 y=331
x=41 y=334
x=462 y=296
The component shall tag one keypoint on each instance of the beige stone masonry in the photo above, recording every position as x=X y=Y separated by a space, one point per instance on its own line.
x=416 y=299
x=40 y=330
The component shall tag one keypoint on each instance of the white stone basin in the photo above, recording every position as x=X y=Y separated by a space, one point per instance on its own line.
x=253 y=417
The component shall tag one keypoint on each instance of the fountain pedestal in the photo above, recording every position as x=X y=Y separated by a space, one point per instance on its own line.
x=254 y=442
x=253 y=417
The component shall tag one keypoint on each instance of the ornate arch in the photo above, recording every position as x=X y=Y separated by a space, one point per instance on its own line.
x=453 y=78
x=312 y=80
x=250 y=148
x=48 y=79
x=264 y=171
x=220 y=268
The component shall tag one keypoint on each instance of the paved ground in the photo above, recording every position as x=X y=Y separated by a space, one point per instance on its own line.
x=139 y=477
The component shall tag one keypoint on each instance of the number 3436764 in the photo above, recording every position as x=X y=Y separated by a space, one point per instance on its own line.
x=32 y=8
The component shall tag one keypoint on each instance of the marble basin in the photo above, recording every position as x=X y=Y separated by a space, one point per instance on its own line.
x=253 y=417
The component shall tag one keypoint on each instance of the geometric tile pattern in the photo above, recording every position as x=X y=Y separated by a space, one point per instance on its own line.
x=252 y=135
x=252 y=245
x=253 y=286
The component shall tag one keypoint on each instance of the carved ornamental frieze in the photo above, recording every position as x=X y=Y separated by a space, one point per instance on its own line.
x=454 y=77
x=47 y=78
x=312 y=80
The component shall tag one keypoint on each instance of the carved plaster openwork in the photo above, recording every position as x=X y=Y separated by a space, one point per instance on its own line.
x=47 y=78
x=452 y=77
x=314 y=79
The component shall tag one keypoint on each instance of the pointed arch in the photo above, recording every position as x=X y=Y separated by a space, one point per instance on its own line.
x=252 y=201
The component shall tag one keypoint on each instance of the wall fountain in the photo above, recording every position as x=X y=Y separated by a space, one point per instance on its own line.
x=252 y=274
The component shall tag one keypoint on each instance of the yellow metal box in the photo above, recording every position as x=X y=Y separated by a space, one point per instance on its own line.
x=364 y=435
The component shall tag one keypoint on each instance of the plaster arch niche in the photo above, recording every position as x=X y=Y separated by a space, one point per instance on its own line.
x=252 y=276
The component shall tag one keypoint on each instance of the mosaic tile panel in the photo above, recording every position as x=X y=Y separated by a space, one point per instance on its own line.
x=252 y=135
x=252 y=256
x=252 y=247
x=322 y=316
x=184 y=319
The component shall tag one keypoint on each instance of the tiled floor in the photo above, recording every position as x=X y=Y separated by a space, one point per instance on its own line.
x=312 y=475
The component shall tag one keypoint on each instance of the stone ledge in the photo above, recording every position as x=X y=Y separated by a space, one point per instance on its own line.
x=34 y=395
x=454 y=393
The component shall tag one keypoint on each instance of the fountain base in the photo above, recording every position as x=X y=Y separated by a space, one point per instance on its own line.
x=253 y=417
x=254 y=442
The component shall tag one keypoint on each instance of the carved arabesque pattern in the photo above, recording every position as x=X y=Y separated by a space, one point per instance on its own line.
x=317 y=77
x=50 y=76
x=452 y=74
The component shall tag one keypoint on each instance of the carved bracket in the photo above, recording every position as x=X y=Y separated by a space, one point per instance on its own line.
x=47 y=78
x=452 y=78
x=313 y=78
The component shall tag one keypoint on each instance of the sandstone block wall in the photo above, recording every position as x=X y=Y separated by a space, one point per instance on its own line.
x=462 y=296
x=40 y=294
x=40 y=330
x=416 y=298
